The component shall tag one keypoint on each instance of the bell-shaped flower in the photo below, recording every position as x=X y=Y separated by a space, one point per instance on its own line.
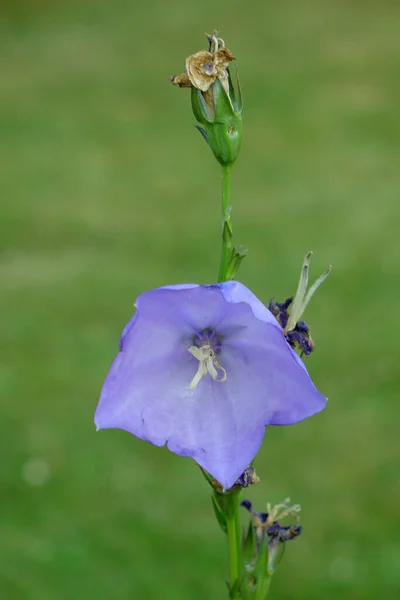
x=204 y=369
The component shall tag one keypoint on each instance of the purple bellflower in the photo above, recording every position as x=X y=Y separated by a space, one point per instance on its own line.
x=204 y=369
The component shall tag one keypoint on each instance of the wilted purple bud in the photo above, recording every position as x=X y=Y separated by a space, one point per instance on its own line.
x=289 y=313
x=204 y=369
x=268 y=529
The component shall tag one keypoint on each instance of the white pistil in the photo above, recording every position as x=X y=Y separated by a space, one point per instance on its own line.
x=208 y=363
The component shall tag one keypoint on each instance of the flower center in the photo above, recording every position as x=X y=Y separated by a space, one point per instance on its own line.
x=207 y=344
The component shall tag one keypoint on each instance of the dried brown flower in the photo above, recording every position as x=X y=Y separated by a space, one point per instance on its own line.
x=204 y=67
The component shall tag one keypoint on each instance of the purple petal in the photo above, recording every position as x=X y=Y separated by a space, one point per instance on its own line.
x=234 y=291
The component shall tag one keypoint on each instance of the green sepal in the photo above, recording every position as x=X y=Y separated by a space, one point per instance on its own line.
x=203 y=133
x=261 y=564
x=235 y=94
x=227 y=232
x=218 y=512
x=209 y=478
x=200 y=109
x=249 y=544
x=227 y=235
x=246 y=590
x=222 y=124
x=234 y=590
x=223 y=108
x=275 y=557
x=237 y=255
x=260 y=573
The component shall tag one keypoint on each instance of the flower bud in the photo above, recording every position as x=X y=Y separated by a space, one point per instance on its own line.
x=289 y=313
x=264 y=543
x=216 y=104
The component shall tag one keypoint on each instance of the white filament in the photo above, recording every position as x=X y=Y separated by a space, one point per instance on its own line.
x=208 y=363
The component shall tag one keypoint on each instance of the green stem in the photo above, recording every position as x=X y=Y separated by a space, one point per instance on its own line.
x=234 y=541
x=226 y=222
x=263 y=589
x=231 y=501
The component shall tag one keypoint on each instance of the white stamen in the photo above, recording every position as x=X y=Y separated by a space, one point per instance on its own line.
x=208 y=363
x=282 y=510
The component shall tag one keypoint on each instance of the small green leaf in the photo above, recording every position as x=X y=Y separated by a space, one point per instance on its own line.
x=247 y=589
x=275 y=557
x=200 y=109
x=235 y=260
x=218 y=513
x=235 y=94
x=235 y=590
x=261 y=566
x=203 y=133
x=223 y=106
x=249 y=544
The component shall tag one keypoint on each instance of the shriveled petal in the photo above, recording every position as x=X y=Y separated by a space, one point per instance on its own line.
x=221 y=60
x=200 y=69
x=181 y=80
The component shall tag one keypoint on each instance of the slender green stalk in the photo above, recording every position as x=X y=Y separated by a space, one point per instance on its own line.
x=234 y=542
x=262 y=591
x=231 y=501
x=226 y=222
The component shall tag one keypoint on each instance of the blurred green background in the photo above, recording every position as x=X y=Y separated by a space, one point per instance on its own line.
x=107 y=190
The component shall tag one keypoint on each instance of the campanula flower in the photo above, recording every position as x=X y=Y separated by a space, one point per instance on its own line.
x=204 y=369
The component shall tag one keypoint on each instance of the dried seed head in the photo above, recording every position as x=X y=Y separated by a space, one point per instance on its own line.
x=216 y=102
x=203 y=67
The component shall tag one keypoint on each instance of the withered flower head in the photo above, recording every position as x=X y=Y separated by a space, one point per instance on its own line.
x=204 y=67
x=289 y=313
x=215 y=102
x=267 y=536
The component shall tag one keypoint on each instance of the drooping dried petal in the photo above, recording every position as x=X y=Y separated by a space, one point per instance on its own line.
x=201 y=70
x=221 y=60
x=181 y=80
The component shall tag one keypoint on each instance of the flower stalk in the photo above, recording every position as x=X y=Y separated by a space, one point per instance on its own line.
x=204 y=369
x=227 y=231
x=230 y=506
x=226 y=506
x=234 y=548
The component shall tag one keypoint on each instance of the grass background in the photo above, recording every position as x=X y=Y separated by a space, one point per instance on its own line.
x=107 y=190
